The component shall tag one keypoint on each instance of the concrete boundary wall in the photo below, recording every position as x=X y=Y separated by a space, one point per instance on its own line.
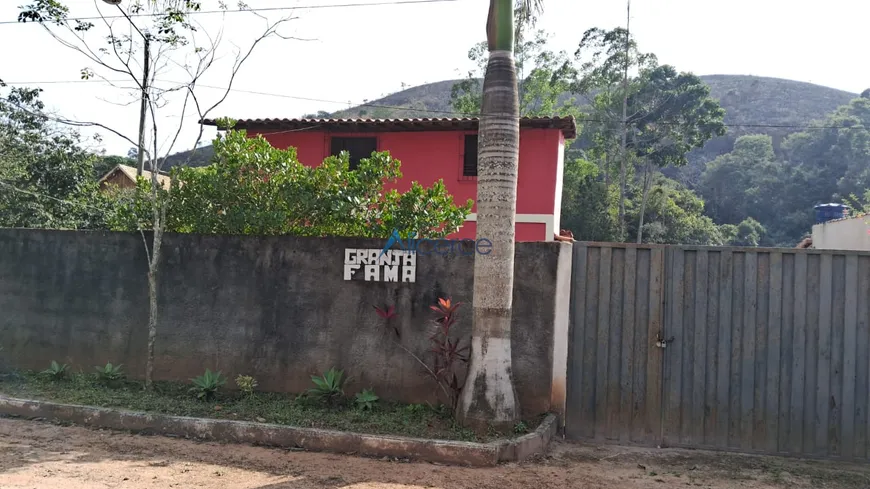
x=277 y=308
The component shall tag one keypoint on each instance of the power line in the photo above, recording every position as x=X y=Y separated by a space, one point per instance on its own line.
x=263 y=9
x=62 y=82
x=429 y=111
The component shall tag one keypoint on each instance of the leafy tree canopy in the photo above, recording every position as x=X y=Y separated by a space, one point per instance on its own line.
x=544 y=76
x=254 y=188
x=47 y=177
x=673 y=215
x=818 y=165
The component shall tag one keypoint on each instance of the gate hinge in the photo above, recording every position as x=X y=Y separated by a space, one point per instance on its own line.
x=661 y=342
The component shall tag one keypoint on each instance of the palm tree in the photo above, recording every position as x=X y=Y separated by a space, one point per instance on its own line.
x=489 y=396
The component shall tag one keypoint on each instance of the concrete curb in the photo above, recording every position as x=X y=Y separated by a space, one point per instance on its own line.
x=224 y=430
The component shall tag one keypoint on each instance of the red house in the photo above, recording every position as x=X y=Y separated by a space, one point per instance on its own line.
x=432 y=149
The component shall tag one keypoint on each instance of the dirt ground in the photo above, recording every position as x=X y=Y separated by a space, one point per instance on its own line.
x=38 y=455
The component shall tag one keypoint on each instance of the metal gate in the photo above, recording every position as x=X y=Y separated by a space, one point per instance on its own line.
x=755 y=350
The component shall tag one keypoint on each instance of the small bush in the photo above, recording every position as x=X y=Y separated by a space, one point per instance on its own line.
x=366 y=400
x=246 y=384
x=56 y=371
x=205 y=386
x=110 y=375
x=416 y=408
x=329 y=388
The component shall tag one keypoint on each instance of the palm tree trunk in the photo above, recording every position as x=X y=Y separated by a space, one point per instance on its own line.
x=489 y=397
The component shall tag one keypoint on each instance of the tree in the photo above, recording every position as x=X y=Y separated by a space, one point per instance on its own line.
x=671 y=114
x=46 y=176
x=865 y=93
x=320 y=114
x=674 y=215
x=858 y=206
x=589 y=205
x=544 y=78
x=748 y=233
x=489 y=396
x=171 y=37
x=606 y=60
x=254 y=189
x=818 y=165
x=735 y=184
x=752 y=182
x=646 y=116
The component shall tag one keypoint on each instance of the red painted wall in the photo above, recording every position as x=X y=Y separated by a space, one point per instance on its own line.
x=429 y=156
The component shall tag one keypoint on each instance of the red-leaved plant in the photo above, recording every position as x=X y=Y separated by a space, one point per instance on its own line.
x=446 y=350
x=387 y=313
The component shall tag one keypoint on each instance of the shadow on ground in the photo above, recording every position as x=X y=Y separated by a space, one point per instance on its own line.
x=42 y=455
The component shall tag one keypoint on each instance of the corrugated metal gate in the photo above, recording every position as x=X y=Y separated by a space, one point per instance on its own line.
x=770 y=349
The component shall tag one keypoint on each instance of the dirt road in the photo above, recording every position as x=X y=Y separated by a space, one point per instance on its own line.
x=37 y=455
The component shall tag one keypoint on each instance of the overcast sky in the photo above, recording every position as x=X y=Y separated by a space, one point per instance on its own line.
x=366 y=52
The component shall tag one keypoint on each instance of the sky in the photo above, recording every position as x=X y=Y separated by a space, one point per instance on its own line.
x=340 y=56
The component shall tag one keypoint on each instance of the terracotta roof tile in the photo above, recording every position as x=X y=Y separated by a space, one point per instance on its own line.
x=566 y=124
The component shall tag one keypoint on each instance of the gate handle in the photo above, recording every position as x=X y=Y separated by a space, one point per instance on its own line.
x=661 y=342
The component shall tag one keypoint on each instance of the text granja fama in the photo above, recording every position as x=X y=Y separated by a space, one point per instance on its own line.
x=380 y=265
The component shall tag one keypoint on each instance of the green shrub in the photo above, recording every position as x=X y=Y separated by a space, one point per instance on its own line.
x=110 y=375
x=416 y=408
x=56 y=371
x=366 y=400
x=205 y=386
x=246 y=384
x=329 y=388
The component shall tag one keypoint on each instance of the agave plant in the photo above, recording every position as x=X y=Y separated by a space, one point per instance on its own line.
x=329 y=387
x=56 y=371
x=109 y=374
x=366 y=400
x=206 y=386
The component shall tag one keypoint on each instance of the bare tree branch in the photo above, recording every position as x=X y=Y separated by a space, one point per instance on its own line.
x=90 y=55
x=70 y=122
x=113 y=84
x=119 y=104
x=269 y=31
x=114 y=44
x=180 y=124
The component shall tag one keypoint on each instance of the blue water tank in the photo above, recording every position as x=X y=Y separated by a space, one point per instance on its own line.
x=829 y=212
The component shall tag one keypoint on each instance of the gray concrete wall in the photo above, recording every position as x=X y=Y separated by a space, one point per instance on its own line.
x=843 y=234
x=277 y=308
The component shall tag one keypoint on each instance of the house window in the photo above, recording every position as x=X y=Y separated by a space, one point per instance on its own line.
x=469 y=162
x=358 y=148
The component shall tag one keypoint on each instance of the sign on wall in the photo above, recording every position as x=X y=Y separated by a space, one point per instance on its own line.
x=380 y=265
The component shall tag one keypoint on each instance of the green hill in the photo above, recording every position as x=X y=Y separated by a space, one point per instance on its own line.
x=754 y=105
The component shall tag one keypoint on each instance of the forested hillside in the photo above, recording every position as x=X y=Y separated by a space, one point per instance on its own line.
x=748 y=100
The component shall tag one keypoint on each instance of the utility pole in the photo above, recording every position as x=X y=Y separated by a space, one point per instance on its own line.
x=143 y=108
x=623 y=164
x=143 y=105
